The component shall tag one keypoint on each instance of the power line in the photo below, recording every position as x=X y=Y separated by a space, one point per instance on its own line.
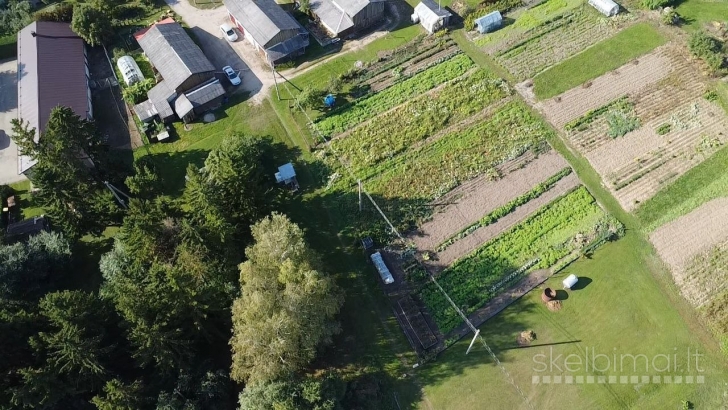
x=476 y=331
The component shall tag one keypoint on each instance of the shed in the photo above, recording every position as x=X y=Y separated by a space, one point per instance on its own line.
x=343 y=17
x=431 y=16
x=606 y=7
x=287 y=175
x=23 y=230
x=490 y=22
x=199 y=100
x=129 y=70
x=382 y=268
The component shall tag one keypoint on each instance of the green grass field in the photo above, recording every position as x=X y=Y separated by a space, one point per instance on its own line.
x=697 y=13
x=597 y=60
x=708 y=180
x=621 y=307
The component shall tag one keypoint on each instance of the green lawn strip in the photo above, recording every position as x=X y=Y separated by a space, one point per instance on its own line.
x=480 y=58
x=500 y=212
x=437 y=168
x=623 y=310
x=697 y=13
x=706 y=181
x=24 y=199
x=361 y=110
x=599 y=59
x=395 y=131
x=8 y=47
x=548 y=235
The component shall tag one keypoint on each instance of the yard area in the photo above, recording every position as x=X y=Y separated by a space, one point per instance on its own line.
x=597 y=60
x=631 y=307
x=698 y=13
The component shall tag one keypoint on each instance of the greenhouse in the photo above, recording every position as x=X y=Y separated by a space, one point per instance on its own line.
x=606 y=7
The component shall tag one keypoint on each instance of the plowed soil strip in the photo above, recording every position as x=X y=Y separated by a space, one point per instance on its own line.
x=628 y=79
x=680 y=240
x=469 y=202
x=471 y=242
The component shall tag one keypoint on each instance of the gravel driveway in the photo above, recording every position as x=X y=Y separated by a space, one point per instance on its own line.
x=241 y=55
x=8 y=111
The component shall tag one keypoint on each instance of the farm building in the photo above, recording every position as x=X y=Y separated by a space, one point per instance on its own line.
x=606 y=7
x=186 y=74
x=343 y=17
x=431 y=16
x=52 y=71
x=272 y=31
x=490 y=22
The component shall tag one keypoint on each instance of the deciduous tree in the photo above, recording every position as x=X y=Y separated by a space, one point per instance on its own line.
x=286 y=308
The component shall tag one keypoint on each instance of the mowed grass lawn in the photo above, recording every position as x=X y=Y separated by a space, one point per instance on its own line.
x=696 y=13
x=708 y=180
x=621 y=309
x=597 y=60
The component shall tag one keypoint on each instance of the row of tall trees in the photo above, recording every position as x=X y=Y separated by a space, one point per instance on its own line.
x=198 y=292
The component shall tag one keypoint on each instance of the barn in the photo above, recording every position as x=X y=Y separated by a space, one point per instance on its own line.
x=606 y=7
x=272 y=31
x=490 y=22
x=431 y=16
x=344 y=17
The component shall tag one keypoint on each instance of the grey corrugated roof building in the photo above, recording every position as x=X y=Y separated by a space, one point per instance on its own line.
x=269 y=28
x=173 y=53
x=342 y=17
x=182 y=65
x=198 y=100
x=52 y=71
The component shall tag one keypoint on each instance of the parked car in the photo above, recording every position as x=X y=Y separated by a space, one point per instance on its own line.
x=232 y=75
x=229 y=32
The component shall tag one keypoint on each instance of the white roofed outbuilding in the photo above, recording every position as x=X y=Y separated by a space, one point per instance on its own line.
x=431 y=16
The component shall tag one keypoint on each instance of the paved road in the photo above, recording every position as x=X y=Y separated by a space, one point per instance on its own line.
x=8 y=111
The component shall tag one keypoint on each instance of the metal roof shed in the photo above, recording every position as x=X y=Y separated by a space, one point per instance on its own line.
x=490 y=22
x=606 y=7
x=382 y=268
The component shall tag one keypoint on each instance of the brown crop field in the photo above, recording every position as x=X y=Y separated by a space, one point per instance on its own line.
x=675 y=127
x=694 y=246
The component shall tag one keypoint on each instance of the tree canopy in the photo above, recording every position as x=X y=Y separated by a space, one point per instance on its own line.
x=93 y=22
x=71 y=167
x=286 y=308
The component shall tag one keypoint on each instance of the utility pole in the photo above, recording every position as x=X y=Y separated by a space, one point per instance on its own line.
x=359 y=181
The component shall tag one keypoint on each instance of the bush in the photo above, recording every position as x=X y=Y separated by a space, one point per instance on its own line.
x=708 y=49
x=663 y=129
x=134 y=94
x=620 y=123
x=671 y=18
x=62 y=12
x=711 y=95
x=655 y=4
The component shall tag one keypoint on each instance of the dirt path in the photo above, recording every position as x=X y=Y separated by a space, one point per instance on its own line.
x=469 y=202
x=676 y=242
x=484 y=234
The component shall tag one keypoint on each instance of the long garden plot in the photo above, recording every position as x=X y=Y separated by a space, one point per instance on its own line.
x=642 y=134
x=429 y=160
